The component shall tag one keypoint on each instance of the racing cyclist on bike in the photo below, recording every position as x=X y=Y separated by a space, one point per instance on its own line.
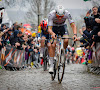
x=44 y=35
x=56 y=23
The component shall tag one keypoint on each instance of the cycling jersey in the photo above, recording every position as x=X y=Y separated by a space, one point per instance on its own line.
x=45 y=33
x=53 y=21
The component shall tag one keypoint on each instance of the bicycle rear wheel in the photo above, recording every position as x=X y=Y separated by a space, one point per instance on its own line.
x=44 y=64
x=61 y=66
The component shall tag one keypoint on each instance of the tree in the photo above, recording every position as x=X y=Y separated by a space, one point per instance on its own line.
x=48 y=6
x=14 y=3
x=95 y=2
x=38 y=9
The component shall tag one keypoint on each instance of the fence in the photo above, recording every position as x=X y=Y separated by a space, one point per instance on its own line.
x=96 y=56
x=12 y=57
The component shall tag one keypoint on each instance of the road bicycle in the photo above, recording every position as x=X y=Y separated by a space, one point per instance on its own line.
x=59 y=62
x=45 y=56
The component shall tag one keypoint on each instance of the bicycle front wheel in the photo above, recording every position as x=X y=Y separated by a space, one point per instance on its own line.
x=61 y=66
x=45 y=61
x=55 y=69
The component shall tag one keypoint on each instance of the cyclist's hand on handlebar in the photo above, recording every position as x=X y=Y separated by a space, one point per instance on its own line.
x=75 y=37
x=53 y=36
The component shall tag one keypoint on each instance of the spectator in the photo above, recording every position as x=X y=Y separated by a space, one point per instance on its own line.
x=3 y=27
x=1 y=17
x=95 y=12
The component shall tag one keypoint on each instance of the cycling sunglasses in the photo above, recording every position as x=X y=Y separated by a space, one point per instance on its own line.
x=59 y=16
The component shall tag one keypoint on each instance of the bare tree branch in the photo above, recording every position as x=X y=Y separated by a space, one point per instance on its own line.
x=96 y=2
x=40 y=8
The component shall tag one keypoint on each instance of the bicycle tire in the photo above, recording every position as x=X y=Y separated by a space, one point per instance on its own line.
x=61 y=65
x=45 y=59
x=44 y=64
x=55 y=69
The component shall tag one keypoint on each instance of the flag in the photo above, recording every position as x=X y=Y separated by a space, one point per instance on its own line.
x=41 y=61
x=83 y=61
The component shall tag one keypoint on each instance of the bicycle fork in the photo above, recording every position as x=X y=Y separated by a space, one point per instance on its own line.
x=60 y=52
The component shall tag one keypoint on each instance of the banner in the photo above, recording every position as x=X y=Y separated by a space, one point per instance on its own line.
x=10 y=56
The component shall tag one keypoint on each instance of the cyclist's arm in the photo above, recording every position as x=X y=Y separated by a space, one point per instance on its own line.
x=73 y=26
x=50 y=30
x=50 y=24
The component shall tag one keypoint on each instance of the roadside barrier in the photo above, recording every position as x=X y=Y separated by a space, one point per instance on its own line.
x=96 y=55
x=12 y=57
x=94 y=66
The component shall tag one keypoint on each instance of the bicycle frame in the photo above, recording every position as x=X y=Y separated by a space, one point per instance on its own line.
x=59 y=64
x=60 y=47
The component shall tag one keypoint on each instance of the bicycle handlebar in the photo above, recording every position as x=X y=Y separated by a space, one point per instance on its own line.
x=62 y=38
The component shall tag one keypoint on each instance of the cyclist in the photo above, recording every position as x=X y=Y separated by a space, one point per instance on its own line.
x=68 y=53
x=79 y=52
x=44 y=35
x=56 y=23
x=73 y=51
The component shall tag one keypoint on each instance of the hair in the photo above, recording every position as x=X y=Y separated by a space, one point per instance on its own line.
x=2 y=25
x=20 y=32
x=95 y=7
x=29 y=36
x=18 y=27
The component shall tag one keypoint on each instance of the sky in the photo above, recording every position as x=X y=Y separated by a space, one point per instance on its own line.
x=71 y=4
x=74 y=4
x=18 y=13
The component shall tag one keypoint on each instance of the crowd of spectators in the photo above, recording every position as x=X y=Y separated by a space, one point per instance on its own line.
x=91 y=30
x=13 y=36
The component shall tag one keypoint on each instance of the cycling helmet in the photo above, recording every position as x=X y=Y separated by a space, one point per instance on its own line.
x=68 y=46
x=73 y=48
x=43 y=23
x=60 y=10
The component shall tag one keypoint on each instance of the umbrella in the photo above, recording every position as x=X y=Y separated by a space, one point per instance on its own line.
x=27 y=26
x=24 y=30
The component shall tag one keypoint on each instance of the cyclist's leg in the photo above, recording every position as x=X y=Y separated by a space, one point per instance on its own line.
x=51 y=49
x=65 y=41
x=43 y=41
x=65 y=34
x=42 y=45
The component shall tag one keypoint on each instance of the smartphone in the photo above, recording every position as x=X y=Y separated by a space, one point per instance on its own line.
x=90 y=11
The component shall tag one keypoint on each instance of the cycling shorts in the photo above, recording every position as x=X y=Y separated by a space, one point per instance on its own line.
x=60 y=30
x=45 y=35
